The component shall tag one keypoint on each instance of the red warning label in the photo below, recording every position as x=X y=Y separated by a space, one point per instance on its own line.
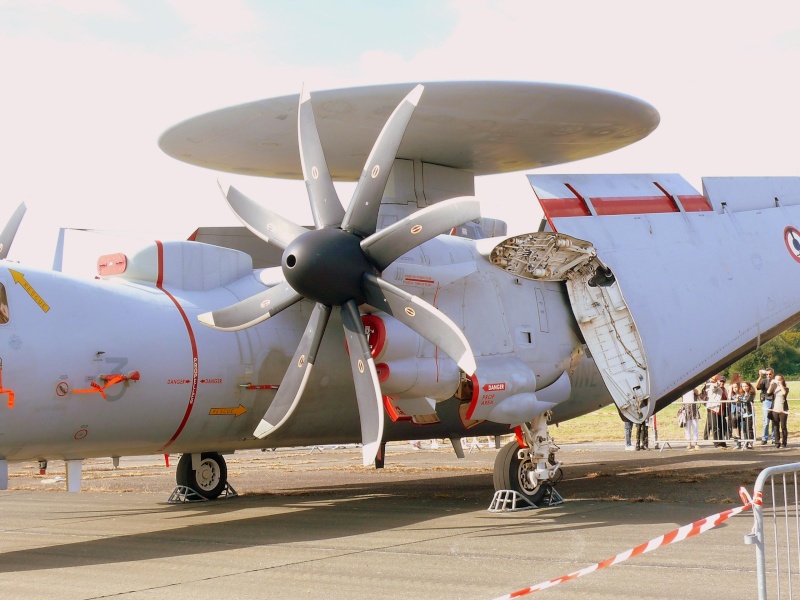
x=494 y=387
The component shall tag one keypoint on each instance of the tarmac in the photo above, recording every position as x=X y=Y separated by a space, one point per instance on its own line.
x=318 y=525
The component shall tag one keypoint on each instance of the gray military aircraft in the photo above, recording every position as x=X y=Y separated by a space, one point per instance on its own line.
x=396 y=317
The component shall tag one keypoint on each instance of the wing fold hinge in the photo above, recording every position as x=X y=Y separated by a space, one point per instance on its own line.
x=599 y=306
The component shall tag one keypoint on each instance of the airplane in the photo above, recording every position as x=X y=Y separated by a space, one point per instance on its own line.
x=397 y=316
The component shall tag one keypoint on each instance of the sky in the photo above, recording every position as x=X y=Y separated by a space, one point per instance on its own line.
x=89 y=85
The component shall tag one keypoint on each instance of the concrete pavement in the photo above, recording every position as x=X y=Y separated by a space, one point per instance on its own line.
x=392 y=539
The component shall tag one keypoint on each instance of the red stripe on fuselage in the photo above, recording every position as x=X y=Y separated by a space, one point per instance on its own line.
x=192 y=341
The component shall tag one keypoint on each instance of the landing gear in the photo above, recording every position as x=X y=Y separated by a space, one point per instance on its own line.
x=209 y=480
x=531 y=471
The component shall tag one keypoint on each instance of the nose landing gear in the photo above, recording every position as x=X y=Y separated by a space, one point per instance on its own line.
x=533 y=471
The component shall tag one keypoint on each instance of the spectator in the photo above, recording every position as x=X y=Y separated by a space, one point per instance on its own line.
x=734 y=413
x=628 y=431
x=641 y=432
x=702 y=398
x=765 y=376
x=726 y=409
x=715 y=392
x=641 y=436
x=780 y=409
x=691 y=418
x=746 y=413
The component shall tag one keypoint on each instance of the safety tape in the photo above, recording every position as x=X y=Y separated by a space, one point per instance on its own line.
x=673 y=537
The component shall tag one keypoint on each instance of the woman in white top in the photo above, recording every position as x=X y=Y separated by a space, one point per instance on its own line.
x=691 y=418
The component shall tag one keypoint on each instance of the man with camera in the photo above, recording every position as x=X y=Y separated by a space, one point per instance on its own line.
x=765 y=377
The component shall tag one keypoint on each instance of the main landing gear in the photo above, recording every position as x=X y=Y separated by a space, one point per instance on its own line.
x=202 y=477
x=532 y=471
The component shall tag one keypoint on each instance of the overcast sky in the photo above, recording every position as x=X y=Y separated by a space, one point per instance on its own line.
x=89 y=85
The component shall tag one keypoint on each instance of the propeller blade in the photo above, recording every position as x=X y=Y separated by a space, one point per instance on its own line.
x=368 y=390
x=325 y=205
x=269 y=226
x=294 y=381
x=251 y=311
x=362 y=214
x=422 y=317
x=389 y=244
x=10 y=230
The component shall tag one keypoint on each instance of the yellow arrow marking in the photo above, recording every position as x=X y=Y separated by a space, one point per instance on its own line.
x=20 y=279
x=230 y=410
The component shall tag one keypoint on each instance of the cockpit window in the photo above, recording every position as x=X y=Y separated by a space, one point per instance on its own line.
x=3 y=305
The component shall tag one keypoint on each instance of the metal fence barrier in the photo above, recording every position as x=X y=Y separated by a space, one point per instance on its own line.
x=776 y=533
x=736 y=425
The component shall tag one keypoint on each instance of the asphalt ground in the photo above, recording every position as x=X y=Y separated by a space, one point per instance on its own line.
x=319 y=525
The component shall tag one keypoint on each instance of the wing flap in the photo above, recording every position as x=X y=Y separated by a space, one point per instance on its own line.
x=567 y=196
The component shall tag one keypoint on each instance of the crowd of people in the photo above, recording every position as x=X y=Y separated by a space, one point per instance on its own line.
x=730 y=413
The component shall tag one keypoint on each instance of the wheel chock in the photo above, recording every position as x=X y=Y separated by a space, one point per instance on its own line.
x=183 y=494
x=513 y=501
x=510 y=501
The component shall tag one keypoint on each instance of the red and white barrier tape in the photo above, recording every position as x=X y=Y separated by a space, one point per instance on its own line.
x=673 y=537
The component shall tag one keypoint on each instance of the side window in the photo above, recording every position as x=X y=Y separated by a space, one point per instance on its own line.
x=3 y=305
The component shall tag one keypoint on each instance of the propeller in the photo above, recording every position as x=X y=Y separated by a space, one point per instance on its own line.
x=339 y=264
x=10 y=230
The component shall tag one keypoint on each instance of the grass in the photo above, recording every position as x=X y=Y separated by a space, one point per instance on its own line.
x=605 y=425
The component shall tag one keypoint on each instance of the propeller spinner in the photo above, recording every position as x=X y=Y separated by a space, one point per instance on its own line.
x=339 y=264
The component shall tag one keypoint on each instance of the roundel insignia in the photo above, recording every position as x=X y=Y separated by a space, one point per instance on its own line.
x=791 y=235
x=315 y=172
x=301 y=361
x=410 y=311
x=416 y=229
x=360 y=366
x=265 y=303
x=375 y=170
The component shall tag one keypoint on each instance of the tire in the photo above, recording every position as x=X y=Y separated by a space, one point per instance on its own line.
x=510 y=473
x=209 y=480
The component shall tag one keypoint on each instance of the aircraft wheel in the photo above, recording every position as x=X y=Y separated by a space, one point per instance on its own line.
x=209 y=480
x=511 y=473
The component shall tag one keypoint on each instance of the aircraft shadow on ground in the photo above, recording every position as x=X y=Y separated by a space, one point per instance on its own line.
x=327 y=513
x=303 y=516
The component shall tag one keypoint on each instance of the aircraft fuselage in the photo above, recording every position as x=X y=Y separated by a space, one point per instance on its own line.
x=120 y=365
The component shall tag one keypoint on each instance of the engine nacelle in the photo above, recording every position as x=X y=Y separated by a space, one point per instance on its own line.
x=419 y=377
x=404 y=374
x=389 y=339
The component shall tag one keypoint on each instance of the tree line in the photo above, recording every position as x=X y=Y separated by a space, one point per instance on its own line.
x=782 y=353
